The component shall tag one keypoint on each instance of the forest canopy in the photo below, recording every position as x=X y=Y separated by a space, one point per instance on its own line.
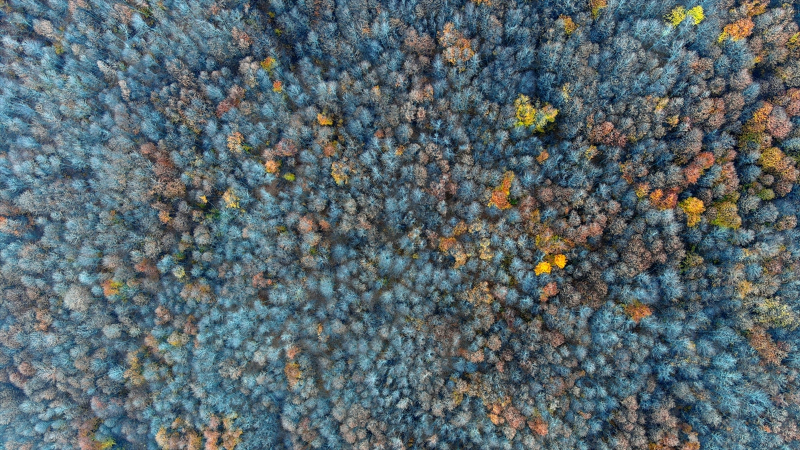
x=367 y=224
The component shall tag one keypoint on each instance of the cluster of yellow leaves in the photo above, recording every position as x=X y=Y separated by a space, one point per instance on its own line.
x=500 y=193
x=696 y=14
x=727 y=215
x=134 y=371
x=526 y=113
x=293 y=374
x=679 y=13
x=642 y=189
x=569 y=25
x=793 y=42
x=546 y=266
x=740 y=29
x=596 y=6
x=774 y=160
x=88 y=440
x=755 y=7
x=663 y=200
x=743 y=27
x=235 y=142
x=560 y=261
x=292 y=368
x=693 y=207
x=324 y=120
x=177 y=339
x=774 y=312
x=547 y=114
x=744 y=288
x=545 y=238
x=542 y=267
x=230 y=199
x=269 y=63
x=179 y=272
x=530 y=116
x=111 y=287
x=566 y=90
x=339 y=172
x=479 y=294
x=758 y=123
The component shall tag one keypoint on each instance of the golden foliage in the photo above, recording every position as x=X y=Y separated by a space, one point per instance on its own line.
x=230 y=199
x=774 y=160
x=530 y=116
x=758 y=123
x=111 y=287
x=269 y=63
x=542 y=267
x=697 y=14
x=663 y=201
x=596 y=6
x=676 y=16
x=727 y=215
x=560 y=261
x=292 y=372
x=693 y=207
x=774 y=312
x=525 y=111
x=339 y=173
x=755 y=7
x=642 y=189
x=740 y=29
x=500 y=193
x=177 y=339
x=445 y=244
x=479 y=294
x=235 y=142
x=569 y=25
x=793 y=42
x=324 y=120
x=680 y=13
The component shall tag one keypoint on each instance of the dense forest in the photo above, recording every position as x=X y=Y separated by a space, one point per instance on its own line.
x=443 y=224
